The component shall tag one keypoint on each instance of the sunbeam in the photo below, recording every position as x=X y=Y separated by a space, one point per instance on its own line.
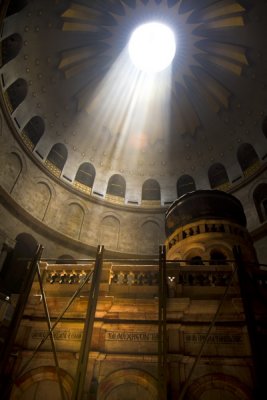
x=132 y=104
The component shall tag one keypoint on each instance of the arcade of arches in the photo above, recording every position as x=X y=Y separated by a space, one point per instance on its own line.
x=87 y=159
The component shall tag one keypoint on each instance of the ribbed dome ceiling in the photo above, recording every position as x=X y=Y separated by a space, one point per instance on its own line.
x=79 y=80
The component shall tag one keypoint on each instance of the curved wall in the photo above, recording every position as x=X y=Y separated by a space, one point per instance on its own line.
x=67 y=223
x=37 y=202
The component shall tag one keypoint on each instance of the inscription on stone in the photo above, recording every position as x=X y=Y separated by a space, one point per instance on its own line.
x=132 y=336
x=65 y=334
x=213 y=339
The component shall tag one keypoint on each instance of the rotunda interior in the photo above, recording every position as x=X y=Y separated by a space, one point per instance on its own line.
x=95 y=150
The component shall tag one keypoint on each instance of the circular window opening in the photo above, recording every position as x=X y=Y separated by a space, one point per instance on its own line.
x=152 y=47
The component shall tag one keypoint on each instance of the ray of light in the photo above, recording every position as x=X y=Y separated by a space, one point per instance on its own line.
x=200 y=28
x=133 y=105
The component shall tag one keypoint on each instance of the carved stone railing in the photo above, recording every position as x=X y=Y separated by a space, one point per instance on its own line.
x=142 y=275
x=188 y=275
x=115 y=199
x=137 y=278
x=67 y=273
x=194 y=275
x=150 y=203
x=82 y=188
x=53 y=168
x=27 y=141
x=211 y=227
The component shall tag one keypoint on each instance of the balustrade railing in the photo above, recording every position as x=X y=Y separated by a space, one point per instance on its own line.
x=177 y=273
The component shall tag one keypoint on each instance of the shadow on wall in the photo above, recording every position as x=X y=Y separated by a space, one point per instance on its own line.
x=15 y=266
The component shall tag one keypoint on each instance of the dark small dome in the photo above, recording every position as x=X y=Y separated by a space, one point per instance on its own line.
x=203 y=204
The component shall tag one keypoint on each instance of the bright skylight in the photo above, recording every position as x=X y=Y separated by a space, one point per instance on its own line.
x=152 y=47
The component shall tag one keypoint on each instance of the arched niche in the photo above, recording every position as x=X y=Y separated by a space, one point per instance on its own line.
x=57 y=158
x=109 y=232
x=140 y=385
x=248 y=158
x=41 y=200
x=185 y=184
x=33 y=131
x=10 y=171
x=42 y=383
x=16 y=93
x=116 y=186
x=260 y=201
x=217 y=257
x=151 y=190
x=195 y=260
x=85 y=177
x=217 y=176
x=10 y=47
x=132 y=390
x=194 y=253
x=150 y=237
x=72 y=220
x=216 y=387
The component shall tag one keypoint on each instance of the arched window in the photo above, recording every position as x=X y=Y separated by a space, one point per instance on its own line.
x=217 y=175
x=56 y=158
x=196 y=260
x=116 y=186
x=33 y=131
x=151 y=190
x=247 y=157
x=260 y=200
x=185 y=184
x=217 y=258
x=264 y=126
x=16 y=93
x=86 y=174
x=11 y=47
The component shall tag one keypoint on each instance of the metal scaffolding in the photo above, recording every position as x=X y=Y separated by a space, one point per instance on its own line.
x=162 y=328
x=165 y=269
x=78 y=388
x=5 y=380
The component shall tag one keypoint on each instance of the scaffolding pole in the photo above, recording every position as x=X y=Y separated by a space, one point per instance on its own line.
x=6 y=382
x=205 y=341
x=51 y=334
x=74 y=296
x=250 y=294
x=162 y=330
x=78 y=388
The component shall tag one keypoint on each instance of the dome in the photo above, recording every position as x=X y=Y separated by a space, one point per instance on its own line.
x=110 y=135
x=204 y=204
x=96 y=107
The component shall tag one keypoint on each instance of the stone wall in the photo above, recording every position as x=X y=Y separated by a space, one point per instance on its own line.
x=66 y=222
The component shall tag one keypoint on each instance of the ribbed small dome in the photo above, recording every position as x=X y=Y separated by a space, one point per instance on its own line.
x=204 y=204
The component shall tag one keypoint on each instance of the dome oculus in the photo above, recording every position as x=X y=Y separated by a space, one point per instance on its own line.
x=152 y=47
